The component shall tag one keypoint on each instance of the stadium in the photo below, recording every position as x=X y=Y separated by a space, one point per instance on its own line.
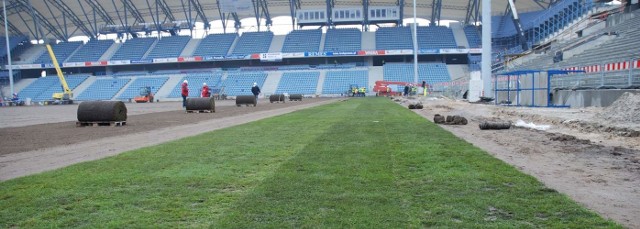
x=522 y=114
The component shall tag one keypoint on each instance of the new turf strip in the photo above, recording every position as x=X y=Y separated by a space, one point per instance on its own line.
x=363 y=163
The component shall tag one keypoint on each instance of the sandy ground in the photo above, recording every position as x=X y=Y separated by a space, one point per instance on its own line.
x=42 y=147
x=599 y=168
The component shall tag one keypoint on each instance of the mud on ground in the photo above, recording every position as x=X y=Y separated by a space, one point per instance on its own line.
x=595 y=163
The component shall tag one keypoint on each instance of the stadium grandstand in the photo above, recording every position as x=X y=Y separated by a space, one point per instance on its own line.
x=375 y=40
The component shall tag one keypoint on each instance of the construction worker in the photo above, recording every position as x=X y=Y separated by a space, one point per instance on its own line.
x=362 y=91
x=354 y=91
x=414 y=89
x=205 y=91
x=255 y=90
x=185 y=92
x=388 y=90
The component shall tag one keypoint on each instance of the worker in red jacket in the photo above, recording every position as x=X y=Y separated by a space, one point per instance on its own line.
x=185 y=93
x=205 y=91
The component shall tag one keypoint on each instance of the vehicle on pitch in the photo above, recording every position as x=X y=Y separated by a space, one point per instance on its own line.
x=145 y=95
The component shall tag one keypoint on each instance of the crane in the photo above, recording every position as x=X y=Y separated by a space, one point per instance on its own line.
x=65 y=96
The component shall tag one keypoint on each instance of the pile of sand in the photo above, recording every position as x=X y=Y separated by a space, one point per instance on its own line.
x=625 y=109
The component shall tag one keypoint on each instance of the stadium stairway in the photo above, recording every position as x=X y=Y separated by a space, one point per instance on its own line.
x=18 y=86
x=168 y=86
x=84 y=85
x=323 y=75
x=112 y=50
x=368 y=41
x=277 y=43
x=150 y=49
x=323 y=37
x=271 y=83
x=124 y=87
x=375 y=74
x=459 y=35
x=190 y=48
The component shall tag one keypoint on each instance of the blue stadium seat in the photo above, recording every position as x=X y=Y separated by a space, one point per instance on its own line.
x=302 y=41
x=43 y=88
x=473 y=36
x=389 y=38
x=304 y=83
x=215 y=45
x=338 y=82
x=133 y=89
x=91 y=51
x=133 y=49
x=14 y=43
x=343 y=40
x=435 y=37
x=62 y=51
x=195 y=83
x=103 y=89
x=429 y=72
x=168 y=47
x=253 y=42
x=240 y=83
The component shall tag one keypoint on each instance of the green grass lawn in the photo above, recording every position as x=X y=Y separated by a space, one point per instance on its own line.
x=363 y=163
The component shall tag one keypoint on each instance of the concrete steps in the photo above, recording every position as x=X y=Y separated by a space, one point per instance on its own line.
x=368 y=41
x=110 y=52
x=84 y=85
x=190 y=48
x=277 y=43
x=271 y=83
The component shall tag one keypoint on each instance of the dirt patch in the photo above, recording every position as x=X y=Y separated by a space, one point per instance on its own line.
x=41 y=136
x=597 y=167
x=624 y=110
x=106 y=142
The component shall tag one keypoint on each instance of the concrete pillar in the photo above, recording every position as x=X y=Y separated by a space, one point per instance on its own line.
x=486 y=49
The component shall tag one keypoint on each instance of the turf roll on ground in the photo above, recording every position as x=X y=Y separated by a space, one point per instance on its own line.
x=246 y=100
x=102 y=111
x=494 y=125
x=295 y=97
x=276 y=98
x=200 y=104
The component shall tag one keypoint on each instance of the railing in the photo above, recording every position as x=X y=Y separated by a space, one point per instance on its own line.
x=454 y=89
x=618 y=74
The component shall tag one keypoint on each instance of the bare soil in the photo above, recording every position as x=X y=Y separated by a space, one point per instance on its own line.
x=593 y=161
x=36 y=148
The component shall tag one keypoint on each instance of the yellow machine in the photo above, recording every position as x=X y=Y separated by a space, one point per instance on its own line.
x=60 y=97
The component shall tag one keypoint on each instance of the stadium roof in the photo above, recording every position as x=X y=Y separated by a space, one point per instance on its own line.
x=62 y=19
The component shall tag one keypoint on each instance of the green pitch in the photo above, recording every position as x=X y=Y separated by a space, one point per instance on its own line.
x=363 y=163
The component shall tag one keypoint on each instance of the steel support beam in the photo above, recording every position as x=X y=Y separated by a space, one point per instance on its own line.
x=134 y=11
x=436 y=8
x=472 y=12
x=516 y=21
x=153 y=18
x=43 y=21
x=74 y=18
x=196 y=4
x=401 y=6
x=165 y=9
x=12 y=28
x=236 y=21
x=293 y=6
x=260 y=10
x=36 y=25
x=330 y=4
x=55 y=18
x=365 y=10
x=97 y=7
